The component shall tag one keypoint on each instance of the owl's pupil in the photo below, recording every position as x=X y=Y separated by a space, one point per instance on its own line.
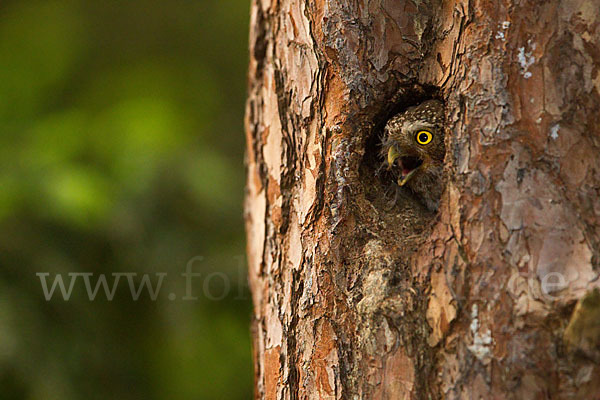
x=423 y=137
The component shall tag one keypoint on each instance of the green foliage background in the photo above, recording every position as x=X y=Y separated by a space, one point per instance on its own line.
x=121 y=150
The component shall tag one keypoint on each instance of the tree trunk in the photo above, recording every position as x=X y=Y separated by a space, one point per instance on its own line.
x=357 y=296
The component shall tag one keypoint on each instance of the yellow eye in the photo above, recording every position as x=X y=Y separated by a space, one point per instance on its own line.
x=424 y=137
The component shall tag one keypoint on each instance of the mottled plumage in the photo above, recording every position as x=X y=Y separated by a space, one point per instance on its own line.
x=413 y=147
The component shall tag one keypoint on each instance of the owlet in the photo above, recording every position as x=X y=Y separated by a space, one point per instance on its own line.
x=413 y=147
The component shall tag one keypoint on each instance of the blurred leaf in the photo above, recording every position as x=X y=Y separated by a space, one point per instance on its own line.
x=40 y=43
x=212 y=181
x=54 y=140
x=136 y=135
x=77 y=195
x=10 y=194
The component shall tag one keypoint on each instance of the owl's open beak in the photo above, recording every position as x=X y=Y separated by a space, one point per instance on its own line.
x=402 y=179
x=408 y=165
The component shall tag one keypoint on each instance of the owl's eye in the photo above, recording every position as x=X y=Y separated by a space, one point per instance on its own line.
x=424 y=137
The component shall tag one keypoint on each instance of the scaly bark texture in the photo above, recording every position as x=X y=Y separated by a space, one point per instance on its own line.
x=493 y=297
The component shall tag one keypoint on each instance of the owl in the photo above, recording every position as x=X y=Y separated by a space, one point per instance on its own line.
x=413 y=149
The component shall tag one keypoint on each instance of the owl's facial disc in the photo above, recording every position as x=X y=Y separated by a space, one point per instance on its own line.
x=408 y=165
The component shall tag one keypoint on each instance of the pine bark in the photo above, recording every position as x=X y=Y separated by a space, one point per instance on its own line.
x=495 y=298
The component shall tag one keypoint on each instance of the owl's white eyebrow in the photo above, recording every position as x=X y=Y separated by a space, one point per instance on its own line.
x=417 y=125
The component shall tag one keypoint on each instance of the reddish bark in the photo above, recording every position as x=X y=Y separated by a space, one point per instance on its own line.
x=351 y=300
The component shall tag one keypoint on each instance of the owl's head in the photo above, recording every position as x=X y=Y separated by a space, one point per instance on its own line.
x=413 y=143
